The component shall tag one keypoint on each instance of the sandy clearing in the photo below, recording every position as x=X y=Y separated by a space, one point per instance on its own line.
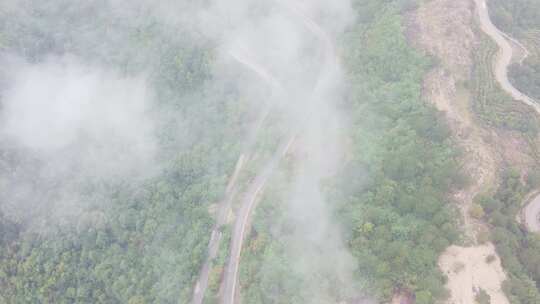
x=468 y=271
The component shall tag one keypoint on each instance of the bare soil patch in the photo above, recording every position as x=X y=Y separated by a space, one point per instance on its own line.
x=444 y=30
x=470 y=269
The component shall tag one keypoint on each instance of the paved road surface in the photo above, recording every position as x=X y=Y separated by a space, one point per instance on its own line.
x=230 y=279
x=243 y=56
x=251 y=196
x=504 y=58
x=215 y=238
x=531 y=212
x=503 y=61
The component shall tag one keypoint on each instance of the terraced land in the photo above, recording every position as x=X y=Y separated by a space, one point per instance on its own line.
x=492 y=105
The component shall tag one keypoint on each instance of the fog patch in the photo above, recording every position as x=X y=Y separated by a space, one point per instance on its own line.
x=290 y=47
x=71 y=125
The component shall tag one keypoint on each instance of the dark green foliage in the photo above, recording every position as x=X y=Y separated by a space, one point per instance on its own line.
x=527 y=77
x=150 y=247
x=390 y=197
x=518 y=249
x=515 y=16
x=399 y=219
x=146 y=240
x=482 y=297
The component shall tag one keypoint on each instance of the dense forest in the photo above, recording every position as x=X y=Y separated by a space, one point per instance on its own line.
x=143 y=240
x=400 y=218
x=136 y=239
x=121 y=208
x=517 y=248
x=390 y=195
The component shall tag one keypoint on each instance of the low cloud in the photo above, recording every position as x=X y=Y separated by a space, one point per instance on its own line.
x=70 y=124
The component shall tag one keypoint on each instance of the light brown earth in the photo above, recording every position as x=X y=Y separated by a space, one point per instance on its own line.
x=444 y=29
x=468 y=271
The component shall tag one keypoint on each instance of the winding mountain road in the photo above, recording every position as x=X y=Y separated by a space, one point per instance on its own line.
x=242 y=56
x=251 y=196
x=230 y=280
x=504 y=57
x=531 y=212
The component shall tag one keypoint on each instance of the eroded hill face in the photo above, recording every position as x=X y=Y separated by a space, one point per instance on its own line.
x=444 y=30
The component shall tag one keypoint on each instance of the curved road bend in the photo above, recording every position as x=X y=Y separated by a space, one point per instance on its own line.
x=230 y=279
x=531 y=214
x=241 y=55
x=519 y=45
x=331 y=58
x=244 y=57
x=504 y=59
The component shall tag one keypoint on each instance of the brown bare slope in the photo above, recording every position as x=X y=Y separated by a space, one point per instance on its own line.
x=444 y=30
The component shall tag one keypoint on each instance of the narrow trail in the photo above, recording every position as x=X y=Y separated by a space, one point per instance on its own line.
x=230 y=280
x=503 y=61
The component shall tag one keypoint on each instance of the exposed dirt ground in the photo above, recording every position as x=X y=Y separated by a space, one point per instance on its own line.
x=444 y=30
x=469 y=270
